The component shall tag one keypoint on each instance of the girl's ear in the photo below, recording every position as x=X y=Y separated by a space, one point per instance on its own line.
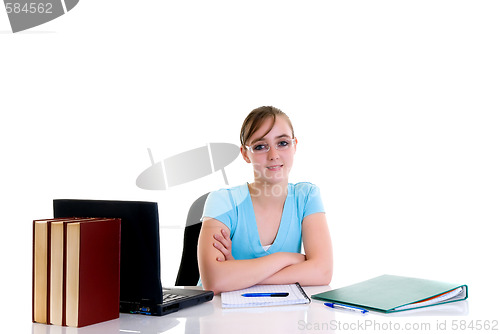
x=244 y=154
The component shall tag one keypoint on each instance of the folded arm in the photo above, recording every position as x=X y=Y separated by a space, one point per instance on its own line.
x=220 y=272
x=218 y=276
x=317 y=269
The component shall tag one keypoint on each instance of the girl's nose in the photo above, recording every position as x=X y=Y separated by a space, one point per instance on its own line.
x=273 y=153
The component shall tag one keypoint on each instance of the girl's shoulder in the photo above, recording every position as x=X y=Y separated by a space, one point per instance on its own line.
x=232 y=196
x=308 y=198
x=303 y=191
x=233 y=191
x=303 y=187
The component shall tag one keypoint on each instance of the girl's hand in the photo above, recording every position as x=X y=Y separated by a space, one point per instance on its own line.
x=223 y=244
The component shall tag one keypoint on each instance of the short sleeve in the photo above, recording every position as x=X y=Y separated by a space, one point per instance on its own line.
x=220 y=205
x=313 y=202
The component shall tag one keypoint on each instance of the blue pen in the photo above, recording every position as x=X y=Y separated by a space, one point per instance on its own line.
x=266 y=294
x=346 y=307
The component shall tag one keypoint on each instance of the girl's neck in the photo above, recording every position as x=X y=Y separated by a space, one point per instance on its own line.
x=268 y=192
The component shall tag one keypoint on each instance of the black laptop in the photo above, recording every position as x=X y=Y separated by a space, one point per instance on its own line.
x=140 y=283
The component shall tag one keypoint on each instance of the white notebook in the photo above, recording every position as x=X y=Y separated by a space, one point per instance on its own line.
x=296 y=295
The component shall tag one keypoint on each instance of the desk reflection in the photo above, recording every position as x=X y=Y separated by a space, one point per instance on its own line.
x=210 y=318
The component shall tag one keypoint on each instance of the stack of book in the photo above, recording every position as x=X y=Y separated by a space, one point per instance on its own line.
x=76 y=271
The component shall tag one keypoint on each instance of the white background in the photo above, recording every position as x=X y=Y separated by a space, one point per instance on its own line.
x=395 y=105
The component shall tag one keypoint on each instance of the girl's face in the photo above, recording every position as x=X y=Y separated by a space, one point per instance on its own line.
x=273 y=166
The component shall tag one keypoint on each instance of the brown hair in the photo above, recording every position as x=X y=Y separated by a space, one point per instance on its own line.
x=257 y=117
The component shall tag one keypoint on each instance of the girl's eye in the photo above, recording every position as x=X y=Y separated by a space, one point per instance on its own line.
x=260 y=147
x=284 y=143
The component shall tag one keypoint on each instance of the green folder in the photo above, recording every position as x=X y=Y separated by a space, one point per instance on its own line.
x=389 y=293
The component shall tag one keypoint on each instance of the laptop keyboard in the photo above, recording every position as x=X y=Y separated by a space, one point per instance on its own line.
x=168 y=297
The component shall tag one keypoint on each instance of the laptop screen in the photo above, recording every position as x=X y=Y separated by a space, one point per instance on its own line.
x=140 y=243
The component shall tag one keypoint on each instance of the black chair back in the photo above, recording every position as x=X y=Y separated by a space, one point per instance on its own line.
x=188 y=274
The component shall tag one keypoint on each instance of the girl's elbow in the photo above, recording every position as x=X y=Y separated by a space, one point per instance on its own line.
x=212 y=282
x=212 y=287
x=325 y=274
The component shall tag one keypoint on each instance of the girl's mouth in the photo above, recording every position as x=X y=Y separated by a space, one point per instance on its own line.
x=274 y=167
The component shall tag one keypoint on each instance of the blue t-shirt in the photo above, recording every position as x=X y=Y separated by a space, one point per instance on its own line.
x=233 y=207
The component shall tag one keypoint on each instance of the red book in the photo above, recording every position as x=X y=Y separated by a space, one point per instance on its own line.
x=57 y=270
x=92 y=272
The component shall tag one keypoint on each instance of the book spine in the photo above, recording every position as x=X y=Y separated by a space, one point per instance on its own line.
x=49 y=229
x=33 y=277
x=64 y=265
x=41 y=272
x=72 y=274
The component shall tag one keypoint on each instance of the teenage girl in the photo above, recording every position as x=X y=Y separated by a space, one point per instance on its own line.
x=253 y=233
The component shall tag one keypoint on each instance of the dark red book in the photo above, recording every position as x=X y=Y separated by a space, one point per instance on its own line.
x=57 y=270
x=92 y=271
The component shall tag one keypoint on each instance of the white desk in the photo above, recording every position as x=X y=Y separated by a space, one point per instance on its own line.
x=313 y=318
